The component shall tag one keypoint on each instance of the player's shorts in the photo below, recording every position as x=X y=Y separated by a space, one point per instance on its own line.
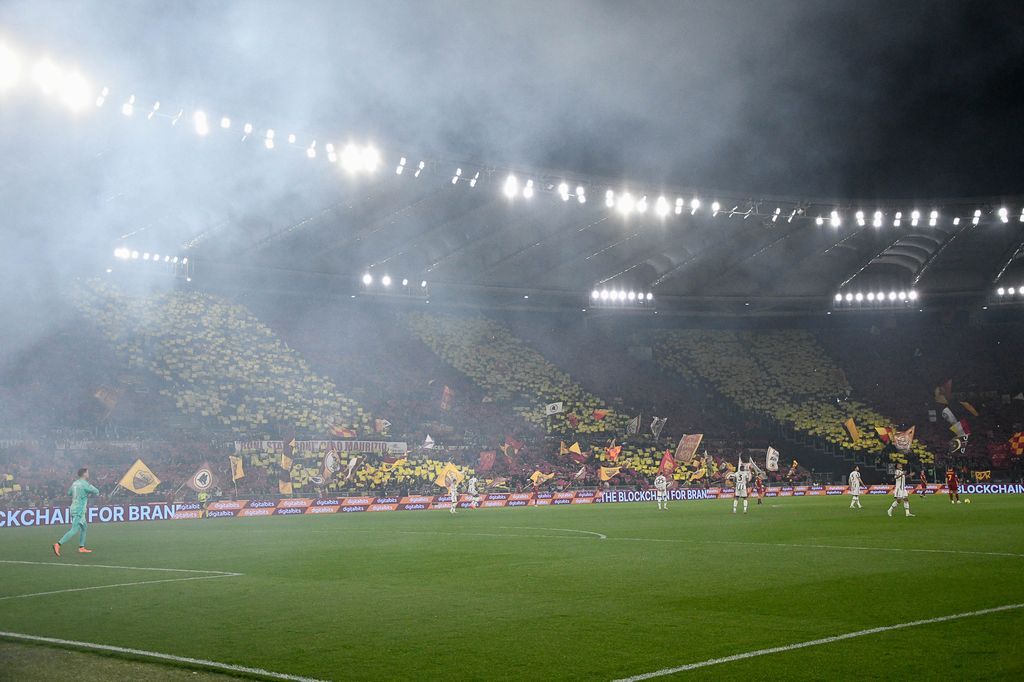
x=954 y=489
x=742 y=493
x=661 y=494
x=855 y=491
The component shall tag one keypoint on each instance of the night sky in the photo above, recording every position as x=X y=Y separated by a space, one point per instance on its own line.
x=840 y=99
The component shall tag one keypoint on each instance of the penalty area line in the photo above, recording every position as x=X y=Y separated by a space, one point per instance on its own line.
x=816 y=642
x=157 y=656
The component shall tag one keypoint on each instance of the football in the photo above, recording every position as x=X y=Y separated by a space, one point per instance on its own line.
x=967 y=500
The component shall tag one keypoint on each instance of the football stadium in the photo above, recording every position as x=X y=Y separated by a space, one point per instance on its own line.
x=511 y=341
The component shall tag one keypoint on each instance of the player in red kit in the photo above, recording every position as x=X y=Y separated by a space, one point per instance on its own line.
x=759 y=488
x=953 y=485
x=923 y=490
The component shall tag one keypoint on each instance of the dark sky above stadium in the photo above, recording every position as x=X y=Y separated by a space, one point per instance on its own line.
x=832 y=98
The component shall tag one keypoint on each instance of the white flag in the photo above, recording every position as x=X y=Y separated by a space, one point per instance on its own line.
x=771 y=459
x=553 y=408
x=657 y=424
x=633 y=427
x=428 y=443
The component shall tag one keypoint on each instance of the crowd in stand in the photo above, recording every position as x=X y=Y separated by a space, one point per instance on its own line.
x=218 y=361
x=787 y=377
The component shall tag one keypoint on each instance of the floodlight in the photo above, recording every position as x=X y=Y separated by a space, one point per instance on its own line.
x=859 y=297
x=225 y=122
x=511 y=186
x=528 y=190
x=202 y=126
x=385 y=280
x=10 y=68
x=849 y=297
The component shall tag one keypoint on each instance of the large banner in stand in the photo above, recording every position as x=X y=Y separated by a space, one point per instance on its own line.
x=113 y=513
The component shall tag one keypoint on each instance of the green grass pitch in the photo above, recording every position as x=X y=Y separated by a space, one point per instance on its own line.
x=598 y=592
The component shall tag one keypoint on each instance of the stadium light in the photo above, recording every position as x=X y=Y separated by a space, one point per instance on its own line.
x=472 y=180
x=247 y=129
x=902 y=295
x=849 y=297
x=563 y=191
x=291 y=138
x=819 y=221
x=694 y=205
x=595 y=294
x=367 y=279
x=892 y=295
x=877 y=222
x=933 y=218
x=956 y=220
x=47 y=76
x=511 y=186
x=225 y=122
x=311 y=150
x=75 y=92
x=135 y=255
x=834 y=219
x=398 y=169
x=200 y=123
x=458 y=174
x=679 y=205
x=175 y=260
x=1011 y=291
x=419 y=169
x=641 y=206
x=528 y=190
x=715 y=208
x=371 y=158
x=385 y=280
x=650 y=296
x=871 y=296
x=631 y=295
x=351 y=158
x=626 y=203
x=581 y=194
x=1004 y=215
x=897 y=219
x=859 y=297
x=775 y=216
x=1022 y=215
x=102 y=97
x=128 y=108
x=423 y=284
x=839 y=298
x=609 y=199
x=604 y=294
x=977 y=216
x=1001 y=291
x=860 y=218
x=405 y=282
x=915 y=216
x=268 y=139
x=184 y=261
x=661 y=207
x=10 y=68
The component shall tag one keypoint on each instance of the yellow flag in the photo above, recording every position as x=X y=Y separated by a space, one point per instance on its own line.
x=538 y=477
x=286 y=462
x=608 y=473
x=237 y=470
x=851 y=428
x=970 y=408
x=284 y=487
x=449 y=468
x=575 y=448
x=562 y=450
x=139 y=479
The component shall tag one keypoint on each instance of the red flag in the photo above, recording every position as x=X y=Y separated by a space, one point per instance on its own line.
x=598 y=415
x=613 y=452
x=487 y=458
x=668 y=464
x=446 y=398
x=511 y=442
x=573 y=420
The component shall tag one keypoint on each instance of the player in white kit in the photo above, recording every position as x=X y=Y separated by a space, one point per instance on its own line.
x=452 y=484
x=474 y=495
x=855 y=485
x=899 y=492
x=661 y=491
x=742 y=478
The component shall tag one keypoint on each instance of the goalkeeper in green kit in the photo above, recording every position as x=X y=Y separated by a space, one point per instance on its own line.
x=79 y=491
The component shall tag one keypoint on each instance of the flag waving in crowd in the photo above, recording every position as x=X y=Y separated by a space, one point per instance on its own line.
x=771 y=459
x=237 y=469
x=139 y=479
x=657 y=424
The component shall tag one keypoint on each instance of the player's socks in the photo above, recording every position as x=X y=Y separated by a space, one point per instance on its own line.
x=734 y=505
x=893 y=506
x=744 y=506
x=83 y=550
x=56 y=548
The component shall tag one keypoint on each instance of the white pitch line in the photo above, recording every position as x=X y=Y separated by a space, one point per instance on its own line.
x=815 y=546
x=141 y=653
x=124 y=568
x=444 y=532
x=815 y=642
x=107 y=587
x=600 y=536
